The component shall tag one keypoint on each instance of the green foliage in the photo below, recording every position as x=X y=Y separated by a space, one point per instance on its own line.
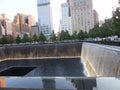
x=86 y=35
x=82 y=35
x=116 y=21
x=26 y=38
x=4 y=40
x=109 y=28
x=74 y=35
x=95 y=32
x=64 y=35
x=10 y=39
x=7 y=40
x=42 y=37
x=30 y=39
x=18 y=39
x=34 y=37
x=53 y=37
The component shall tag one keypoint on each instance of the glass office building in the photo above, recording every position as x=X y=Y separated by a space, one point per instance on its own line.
x=44 y=17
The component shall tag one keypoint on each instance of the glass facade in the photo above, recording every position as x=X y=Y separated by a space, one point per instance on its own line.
x=44 y=17
x=43 y=1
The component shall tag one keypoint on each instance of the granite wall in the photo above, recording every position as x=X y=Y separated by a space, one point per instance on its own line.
x=42 y=50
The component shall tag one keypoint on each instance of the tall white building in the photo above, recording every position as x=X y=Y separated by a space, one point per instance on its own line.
x=44 y=17
x=66 y=18
x=81 y=15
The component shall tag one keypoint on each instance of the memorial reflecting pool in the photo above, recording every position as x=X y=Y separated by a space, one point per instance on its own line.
x=49 y=67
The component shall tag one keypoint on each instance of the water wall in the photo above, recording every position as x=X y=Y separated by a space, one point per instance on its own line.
x=42 y=50
x=98 y=60
x=101 y=60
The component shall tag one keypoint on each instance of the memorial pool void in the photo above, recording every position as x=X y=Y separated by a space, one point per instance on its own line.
x=66 y=67
x=98 y=60
x=60 y=67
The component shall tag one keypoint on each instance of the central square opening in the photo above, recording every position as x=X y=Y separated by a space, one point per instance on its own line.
x=16 y=71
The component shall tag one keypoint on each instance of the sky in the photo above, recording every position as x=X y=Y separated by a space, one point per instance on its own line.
x=12 y=7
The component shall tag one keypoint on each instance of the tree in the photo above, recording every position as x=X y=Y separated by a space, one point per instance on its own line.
x=4 y=40
x=7 y=39
x=30 y=39
x=64 y=35
x=35 y=38
x=26 y=38
x=107 y=28
x=53 y=37
x=82 y=35
x=18 y=39
x=10 y=39
x=74 y=35
x=116 y=21
x=42 y=37
x=86 y=34
x=95 y=32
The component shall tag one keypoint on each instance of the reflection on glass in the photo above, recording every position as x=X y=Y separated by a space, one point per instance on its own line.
x=2 y=82
x=84 y=84
x=48 y=84
x=60 y=83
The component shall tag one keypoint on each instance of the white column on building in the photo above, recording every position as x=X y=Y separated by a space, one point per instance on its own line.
x=65 y=18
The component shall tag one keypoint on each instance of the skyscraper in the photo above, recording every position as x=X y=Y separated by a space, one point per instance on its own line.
x=96 y=18
x=44 y=17
x=66 y=18
x=81 y=14
x=24 y=21
x=31 y=20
